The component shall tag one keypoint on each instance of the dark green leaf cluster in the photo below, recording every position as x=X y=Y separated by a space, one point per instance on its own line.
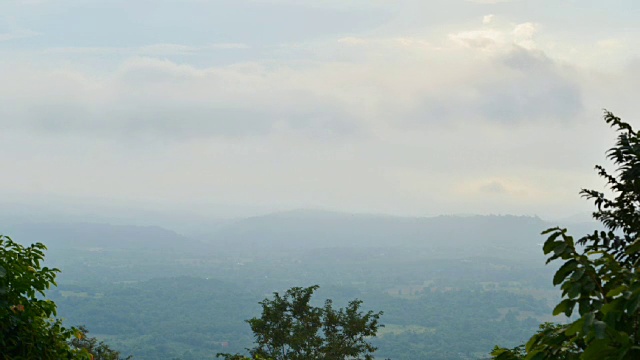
x=292 y=329
x=600 y=275
x=27 y=327
x=98 y=349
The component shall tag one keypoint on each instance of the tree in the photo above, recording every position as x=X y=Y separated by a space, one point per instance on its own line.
x=291 y=329
x=600 y=272
x=98 y=349
x=28 y=327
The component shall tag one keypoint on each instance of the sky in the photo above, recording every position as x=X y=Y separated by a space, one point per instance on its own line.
x=240 y=107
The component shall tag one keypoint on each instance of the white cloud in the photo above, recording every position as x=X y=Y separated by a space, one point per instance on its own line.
x=490 y=1
x=432 y=82
x=484 y=39
x=351 y=40
x=17 y=34
x=163 y=49
x=524 y=35
x=177 y=49
x=611 y=44
x=408 y=121
x=494 y=38
x=148 y=96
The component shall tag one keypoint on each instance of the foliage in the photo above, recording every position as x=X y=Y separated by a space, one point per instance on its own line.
x=420 y=326
x=292 y=329
x=27 y=327
x=556 y=345
x=98 y=349
x=599 y=274
x=430 y=291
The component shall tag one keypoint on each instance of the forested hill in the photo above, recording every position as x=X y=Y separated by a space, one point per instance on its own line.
x=445 y=236
x=95 y=235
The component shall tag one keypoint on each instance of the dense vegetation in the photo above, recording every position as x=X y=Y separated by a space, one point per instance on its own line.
x=28 y=327
x=290 y=328
x=599 y=274
x=425 y=302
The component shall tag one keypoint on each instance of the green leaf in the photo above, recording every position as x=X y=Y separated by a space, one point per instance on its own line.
x=531 y=343
x=550 y=230
x=550 y=244
x=600 y=328
x=565 y=306
x=588 y=321
x=596 y=350
x=634 y=302
x=574 y=291
x=574 y=328
x=633 y=248
x=560 y=248
x=615 y=305
x=617 y=291
x=564 y=271
x=3 y=272
x=577 y=275
x=536 y=355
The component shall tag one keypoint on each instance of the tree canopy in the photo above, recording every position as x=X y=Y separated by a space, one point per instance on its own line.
x=28 y=327
x=292 y=329
x=599 y=273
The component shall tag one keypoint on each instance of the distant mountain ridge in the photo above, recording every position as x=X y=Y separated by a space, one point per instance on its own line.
x=303 y=230
x=97 y=235
x=481 y=235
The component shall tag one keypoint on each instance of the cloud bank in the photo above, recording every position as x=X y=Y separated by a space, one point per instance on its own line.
x=471 y=116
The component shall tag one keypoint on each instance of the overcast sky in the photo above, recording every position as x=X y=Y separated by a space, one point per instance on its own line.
x=413 y=107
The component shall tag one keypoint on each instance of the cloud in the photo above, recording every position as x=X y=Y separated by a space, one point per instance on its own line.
x=610 y=44
x=538 y=89
x=490 y=2
x=509 y=87
x=151 y=97
x=401 y=122
x=493 y=187
x=491 y=38
x=32 y=2
x=510 y=81
x=479 y=38
x=351 y=40
x=523 y=35
x=511 y=189
x=358 y=86
x=17 y=34
x=385 y=83
x=152 y=50
x=177 y=49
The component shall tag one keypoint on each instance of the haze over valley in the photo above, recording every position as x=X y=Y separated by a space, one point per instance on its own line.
x=155 y=293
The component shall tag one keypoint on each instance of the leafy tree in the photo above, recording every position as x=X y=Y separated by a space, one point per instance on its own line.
x=28 y=329
x=98 y=349
x=599 y=274
x=291 y=329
